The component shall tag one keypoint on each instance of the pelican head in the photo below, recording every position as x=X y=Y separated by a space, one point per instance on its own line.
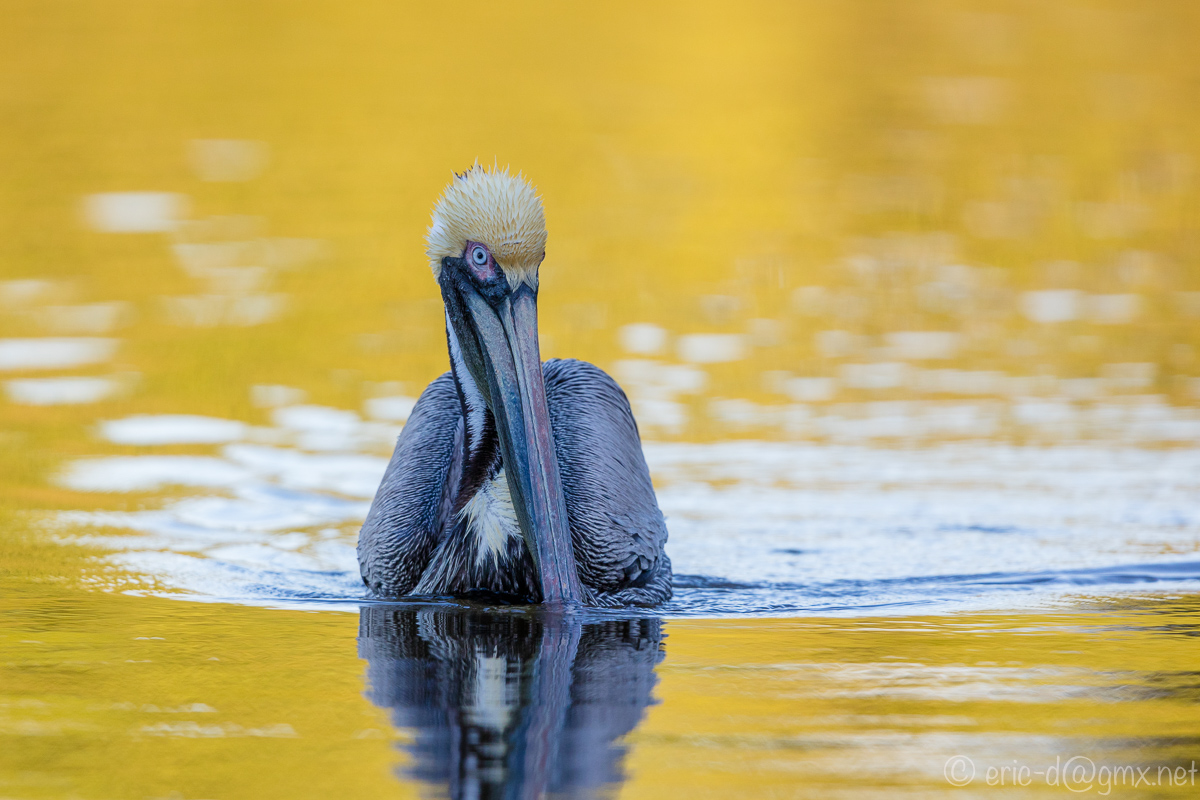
x=485 y=245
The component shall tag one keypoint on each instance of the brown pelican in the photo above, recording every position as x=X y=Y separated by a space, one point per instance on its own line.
x=512 y=478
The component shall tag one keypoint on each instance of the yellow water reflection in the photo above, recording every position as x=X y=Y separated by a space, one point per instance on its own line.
x=822 y=707
x=833 y=221
x=983 y=217
x=116 y=696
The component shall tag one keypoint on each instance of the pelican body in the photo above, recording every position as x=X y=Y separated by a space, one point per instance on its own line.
x=513 y=478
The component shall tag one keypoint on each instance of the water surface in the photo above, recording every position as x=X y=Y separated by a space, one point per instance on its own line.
x=904 y=296
x=756 y=528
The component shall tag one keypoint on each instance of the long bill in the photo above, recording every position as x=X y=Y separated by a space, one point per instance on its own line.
x=508 y=337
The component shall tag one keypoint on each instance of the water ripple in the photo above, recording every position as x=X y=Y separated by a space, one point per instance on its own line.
x=756 y=528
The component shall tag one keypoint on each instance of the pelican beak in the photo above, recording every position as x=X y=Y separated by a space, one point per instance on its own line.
x=501 y=350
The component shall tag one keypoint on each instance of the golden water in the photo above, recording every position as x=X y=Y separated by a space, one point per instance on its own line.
x=807 y=184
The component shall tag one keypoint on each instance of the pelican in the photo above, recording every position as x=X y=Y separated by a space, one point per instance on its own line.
x=512 y=478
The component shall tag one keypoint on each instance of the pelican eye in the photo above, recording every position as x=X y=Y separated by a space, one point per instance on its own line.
x=479 y=256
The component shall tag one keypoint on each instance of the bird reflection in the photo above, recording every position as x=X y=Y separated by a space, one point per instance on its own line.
x=510 y=704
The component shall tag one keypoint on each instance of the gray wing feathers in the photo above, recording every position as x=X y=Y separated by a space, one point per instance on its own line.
x=617 y=531
x=405 y=517
x=616 y=527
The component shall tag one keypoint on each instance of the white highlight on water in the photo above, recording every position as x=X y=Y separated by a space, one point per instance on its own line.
x=62 y=352
x=786 y=528
x=156 y=429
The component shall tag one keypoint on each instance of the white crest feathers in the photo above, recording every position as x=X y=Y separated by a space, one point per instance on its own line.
x=496 y=209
